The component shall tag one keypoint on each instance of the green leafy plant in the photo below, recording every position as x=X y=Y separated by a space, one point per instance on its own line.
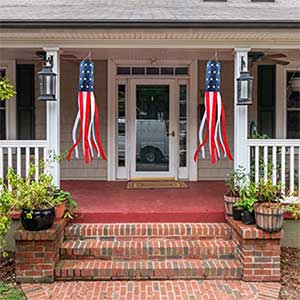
x=268 y=192
x=236 y=181
x=9 y=292
x=59 y=196
x=6 y=89
x=247 y=198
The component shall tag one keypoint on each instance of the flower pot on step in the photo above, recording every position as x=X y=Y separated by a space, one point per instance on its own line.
x=269 y=216
x=60 y=210
x=41 y=219
x=237 y=213
x=248 y=217
x=229 y=202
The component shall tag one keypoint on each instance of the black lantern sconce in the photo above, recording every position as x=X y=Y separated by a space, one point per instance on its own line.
x=245 y=85
x=47 y=81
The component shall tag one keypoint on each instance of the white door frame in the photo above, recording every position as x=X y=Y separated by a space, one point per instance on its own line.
x=112 y=104
x=173 y=114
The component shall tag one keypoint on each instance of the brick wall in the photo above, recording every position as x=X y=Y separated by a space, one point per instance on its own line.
x=37 y=253
x=258 y=251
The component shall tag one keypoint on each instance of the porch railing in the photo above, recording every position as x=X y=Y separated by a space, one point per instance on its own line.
x=19 y=154
x=278 y=159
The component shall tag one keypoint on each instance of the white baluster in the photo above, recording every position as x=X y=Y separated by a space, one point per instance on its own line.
x=274 y=163
x=283 y=169
x=27 y=160
x=292 y=170
x=36 y=163
x=9 y=162
x=256 y=164
x=265 y=163
x=19 y=162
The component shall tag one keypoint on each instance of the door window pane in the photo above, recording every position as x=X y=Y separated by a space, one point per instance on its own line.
x=152 y=127
x=182 y=125
x=121 y=125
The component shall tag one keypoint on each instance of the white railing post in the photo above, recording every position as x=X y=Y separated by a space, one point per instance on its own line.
x=53 y=119
x=240 y=116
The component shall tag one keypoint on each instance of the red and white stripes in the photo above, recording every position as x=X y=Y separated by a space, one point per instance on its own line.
x=214 y=119
x=88 y=121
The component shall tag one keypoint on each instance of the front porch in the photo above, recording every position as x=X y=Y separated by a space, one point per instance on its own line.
x=112 y=202
x=177 y=70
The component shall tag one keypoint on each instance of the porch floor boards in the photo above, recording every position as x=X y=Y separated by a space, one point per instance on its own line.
x=112 y=202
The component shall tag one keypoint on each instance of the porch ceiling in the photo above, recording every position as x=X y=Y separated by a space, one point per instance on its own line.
x=151 y=38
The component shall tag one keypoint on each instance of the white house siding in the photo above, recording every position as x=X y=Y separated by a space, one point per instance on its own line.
x=76 y=169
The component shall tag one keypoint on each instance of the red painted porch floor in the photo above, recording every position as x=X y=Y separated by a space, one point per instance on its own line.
x=112 y=202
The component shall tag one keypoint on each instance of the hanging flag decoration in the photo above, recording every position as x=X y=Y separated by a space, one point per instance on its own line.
x=87 y=118
x=214 y=116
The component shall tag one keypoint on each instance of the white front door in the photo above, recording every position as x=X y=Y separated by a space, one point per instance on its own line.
x=153 y=130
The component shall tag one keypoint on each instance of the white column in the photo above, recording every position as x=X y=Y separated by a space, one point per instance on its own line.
x=53 y=119
x=240 y=115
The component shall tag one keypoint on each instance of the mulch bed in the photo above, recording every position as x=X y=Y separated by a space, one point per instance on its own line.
x=7 y=268
x=290 y=272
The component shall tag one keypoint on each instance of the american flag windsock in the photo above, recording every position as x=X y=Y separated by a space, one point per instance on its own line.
x=87 y=118
x=214 y=117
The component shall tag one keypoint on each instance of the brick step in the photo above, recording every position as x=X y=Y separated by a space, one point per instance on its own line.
x=148 y=269
x=147 y=249
x=137 y=231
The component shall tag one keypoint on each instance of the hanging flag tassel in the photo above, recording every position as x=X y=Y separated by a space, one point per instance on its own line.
x=87 y=118
x=213 y=118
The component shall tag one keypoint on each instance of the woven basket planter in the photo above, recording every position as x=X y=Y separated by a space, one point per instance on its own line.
x=229 y=202
x=269 y=218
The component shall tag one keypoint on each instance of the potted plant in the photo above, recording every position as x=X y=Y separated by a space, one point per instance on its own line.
x=234 y=182
x=269 y=211
x=64 y=204
x=32 y=198
x=237 y=212
x=246 y=204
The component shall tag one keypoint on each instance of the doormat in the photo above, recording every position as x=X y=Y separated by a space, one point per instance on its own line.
x=153 y=185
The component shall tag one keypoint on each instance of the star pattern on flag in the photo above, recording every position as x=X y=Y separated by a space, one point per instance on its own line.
x=86 y=79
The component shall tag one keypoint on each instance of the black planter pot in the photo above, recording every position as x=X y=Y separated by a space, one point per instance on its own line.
x=42 y=219
x=248 y=218
x=237 y=213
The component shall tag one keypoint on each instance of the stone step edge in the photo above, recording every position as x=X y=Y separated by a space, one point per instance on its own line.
x=154 y=248
x=147 y=269
x=147 y=230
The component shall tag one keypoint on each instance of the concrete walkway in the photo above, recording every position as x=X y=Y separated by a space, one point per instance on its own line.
x=153 y=290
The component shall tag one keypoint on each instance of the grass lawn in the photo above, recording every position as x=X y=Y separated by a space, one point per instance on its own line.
x=9 y=292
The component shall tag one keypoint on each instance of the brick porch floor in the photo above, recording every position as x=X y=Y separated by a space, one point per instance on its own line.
x=153 y=290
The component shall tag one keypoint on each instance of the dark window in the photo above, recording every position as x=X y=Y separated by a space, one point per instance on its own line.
x=167 y=71
x=138 y=71
x=266 y=99
x=123 y=71
x=2 y=114
x=181 y=71
x=293 y=105
x=25 y=102
x=152 y=71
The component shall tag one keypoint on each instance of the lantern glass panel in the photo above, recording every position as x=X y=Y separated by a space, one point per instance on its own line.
x=244 y=90
x=250 y=89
